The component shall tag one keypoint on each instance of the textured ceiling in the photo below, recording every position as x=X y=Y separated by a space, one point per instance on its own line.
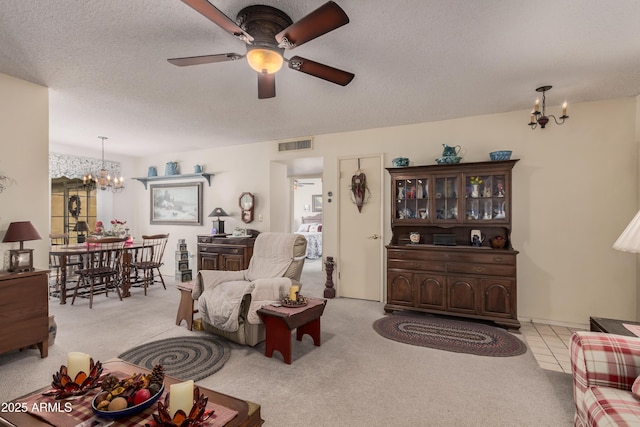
x=414 y=61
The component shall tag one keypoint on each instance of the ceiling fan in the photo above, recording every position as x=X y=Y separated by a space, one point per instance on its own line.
x=268 y=32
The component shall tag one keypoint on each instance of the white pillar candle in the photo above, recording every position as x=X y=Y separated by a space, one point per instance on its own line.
x=77 y=362
x=181 y=397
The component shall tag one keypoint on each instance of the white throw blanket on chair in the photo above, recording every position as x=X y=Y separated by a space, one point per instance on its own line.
x=220 y=293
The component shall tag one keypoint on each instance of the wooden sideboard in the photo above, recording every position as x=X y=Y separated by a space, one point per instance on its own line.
x=224 y=253
x=24 y=311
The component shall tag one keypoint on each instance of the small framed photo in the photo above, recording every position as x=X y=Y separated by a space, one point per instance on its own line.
x=316 y=203
x=20 y=260
x=176 y=204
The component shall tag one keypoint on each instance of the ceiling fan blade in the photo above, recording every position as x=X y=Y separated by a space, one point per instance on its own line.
x=205 y=59
x=326 y=18
x=216 y=16
x=322 y=71
x=266 y=85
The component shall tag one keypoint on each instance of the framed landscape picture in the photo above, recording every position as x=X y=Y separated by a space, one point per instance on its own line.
x=177 y=204
x=316 y=203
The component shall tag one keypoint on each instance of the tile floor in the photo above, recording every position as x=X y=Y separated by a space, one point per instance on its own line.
x=549 y=345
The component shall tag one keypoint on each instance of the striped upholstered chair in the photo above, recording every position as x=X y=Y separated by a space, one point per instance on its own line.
x=605 y=368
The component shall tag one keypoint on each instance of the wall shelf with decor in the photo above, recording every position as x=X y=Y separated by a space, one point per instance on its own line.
x=434 y=262
x=147 y=179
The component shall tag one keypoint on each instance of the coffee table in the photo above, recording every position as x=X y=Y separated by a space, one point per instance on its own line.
x=280 y=321
x=611 y=326
x=248 y=413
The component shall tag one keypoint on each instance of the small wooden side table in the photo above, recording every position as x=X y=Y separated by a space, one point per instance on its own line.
x=280 y=321
x=185 y=309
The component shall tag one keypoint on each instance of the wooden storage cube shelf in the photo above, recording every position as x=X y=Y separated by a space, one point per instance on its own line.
x=461 y=280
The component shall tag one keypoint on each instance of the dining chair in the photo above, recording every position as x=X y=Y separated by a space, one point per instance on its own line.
x=73 y=262
x=149 y=259
x=102 y=269
x=54 y=262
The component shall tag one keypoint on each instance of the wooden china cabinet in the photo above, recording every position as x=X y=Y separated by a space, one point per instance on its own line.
x=432 y=265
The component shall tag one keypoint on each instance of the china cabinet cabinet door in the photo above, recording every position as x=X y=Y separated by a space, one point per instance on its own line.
x=412 y=199
x=400 y=288
x=431 y=291
x=497 y=297
x=462 y=293
x=486 y=198
x=446 y=195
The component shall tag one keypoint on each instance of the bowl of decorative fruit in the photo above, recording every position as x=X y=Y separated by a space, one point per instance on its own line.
x=128 y=396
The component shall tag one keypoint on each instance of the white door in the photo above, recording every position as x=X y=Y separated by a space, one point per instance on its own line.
x=359 y=264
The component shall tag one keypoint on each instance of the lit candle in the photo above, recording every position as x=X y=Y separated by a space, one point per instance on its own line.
x=181 y=397
x=537 y=105
x=293 y=290
x=564 y=108
x=77 y=362
x=533 y=118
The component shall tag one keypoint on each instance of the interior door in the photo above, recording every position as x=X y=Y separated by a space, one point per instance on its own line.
x=360 y=262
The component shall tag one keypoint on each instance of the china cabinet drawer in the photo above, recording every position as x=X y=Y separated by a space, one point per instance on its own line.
x=482 y=269
x=417 y=255
x=410 y=264
x=488 y=256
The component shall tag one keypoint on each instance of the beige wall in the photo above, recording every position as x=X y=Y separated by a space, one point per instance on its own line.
x=575 y=189
x=24 y=156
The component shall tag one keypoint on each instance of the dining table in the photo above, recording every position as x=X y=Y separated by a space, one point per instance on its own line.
x=66 y=252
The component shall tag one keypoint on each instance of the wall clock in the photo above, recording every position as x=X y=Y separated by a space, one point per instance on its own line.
x=247 y=202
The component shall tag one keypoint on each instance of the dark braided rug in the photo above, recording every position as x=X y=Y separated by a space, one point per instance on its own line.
x=184 y=358
x=450 y=335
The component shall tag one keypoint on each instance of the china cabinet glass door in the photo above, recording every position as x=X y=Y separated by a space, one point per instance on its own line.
x=485 y=198
x=412 y=199
x=446 y=198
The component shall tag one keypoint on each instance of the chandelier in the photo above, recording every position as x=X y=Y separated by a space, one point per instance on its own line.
x=541 y=118
x=103 y=179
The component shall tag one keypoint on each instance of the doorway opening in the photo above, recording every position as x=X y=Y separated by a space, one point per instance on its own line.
x=307 y=213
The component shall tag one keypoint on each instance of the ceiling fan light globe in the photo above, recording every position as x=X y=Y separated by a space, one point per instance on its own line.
x=264 y=60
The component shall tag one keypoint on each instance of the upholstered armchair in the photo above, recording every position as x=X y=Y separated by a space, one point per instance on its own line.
x=228 y=300
x=605 y=379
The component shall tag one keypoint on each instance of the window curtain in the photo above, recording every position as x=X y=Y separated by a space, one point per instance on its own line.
x=63 y=165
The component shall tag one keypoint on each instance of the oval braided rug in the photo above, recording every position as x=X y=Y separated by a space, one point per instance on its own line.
x=450 y=335
x=185 y=358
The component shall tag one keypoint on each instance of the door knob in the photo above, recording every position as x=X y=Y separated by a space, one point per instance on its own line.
x=374 y=236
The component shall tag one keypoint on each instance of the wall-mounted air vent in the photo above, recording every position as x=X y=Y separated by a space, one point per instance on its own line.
x=303 y=144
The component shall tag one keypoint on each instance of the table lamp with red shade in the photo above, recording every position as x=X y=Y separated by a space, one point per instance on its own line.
x=21 y=259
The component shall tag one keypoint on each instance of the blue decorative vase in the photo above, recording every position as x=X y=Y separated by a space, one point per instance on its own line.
x=197 y=169
x=171 y=169
x=400 y=162
x=152 y=171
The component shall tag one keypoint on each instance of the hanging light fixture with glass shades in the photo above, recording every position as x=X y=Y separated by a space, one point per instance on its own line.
x=103 y=179
x=541 y=118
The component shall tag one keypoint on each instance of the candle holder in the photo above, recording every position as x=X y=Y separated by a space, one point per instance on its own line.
x=64 y=386
x=300 y=301
x=196 y=417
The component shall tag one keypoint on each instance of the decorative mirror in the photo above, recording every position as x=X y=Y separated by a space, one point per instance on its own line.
x=246 y=207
